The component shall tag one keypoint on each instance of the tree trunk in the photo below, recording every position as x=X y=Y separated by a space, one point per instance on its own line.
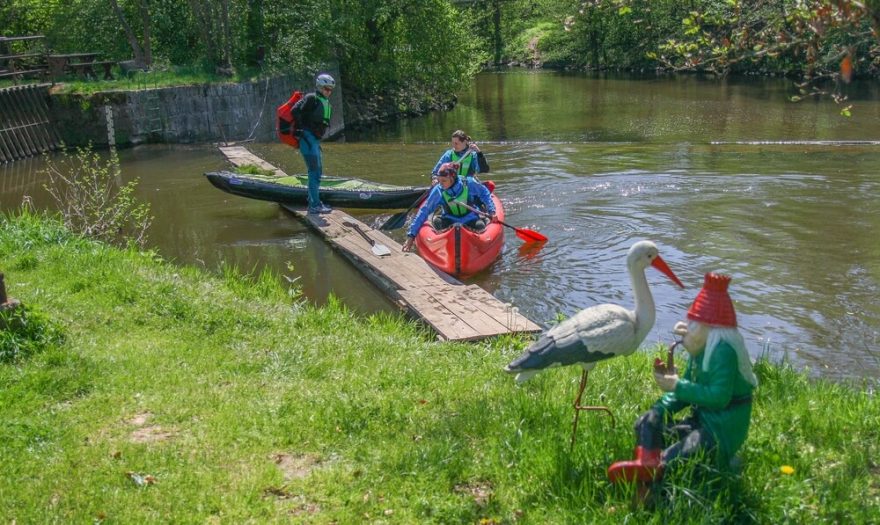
x=227 y=35
x=497 y=20
x=129 y=34
x=205 y=22
x=255 y=46
x=147 y=24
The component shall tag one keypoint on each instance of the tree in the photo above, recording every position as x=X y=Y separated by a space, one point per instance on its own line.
x=143 y=54
x=823 y=40
x=213 y=24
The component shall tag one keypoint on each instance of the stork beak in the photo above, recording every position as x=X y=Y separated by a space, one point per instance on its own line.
x=661 y=265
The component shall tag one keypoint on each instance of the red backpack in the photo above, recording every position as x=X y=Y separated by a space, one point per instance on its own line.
x=285 y=125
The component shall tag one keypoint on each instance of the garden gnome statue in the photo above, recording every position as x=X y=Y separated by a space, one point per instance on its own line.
x=717 y=386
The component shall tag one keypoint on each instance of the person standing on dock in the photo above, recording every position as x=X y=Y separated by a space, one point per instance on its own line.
x=462 y=144
x=312 y=114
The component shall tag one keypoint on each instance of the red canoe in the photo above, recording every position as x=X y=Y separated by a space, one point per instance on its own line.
x=460 y=251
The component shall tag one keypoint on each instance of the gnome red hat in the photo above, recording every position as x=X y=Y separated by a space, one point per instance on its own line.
x=712 y=305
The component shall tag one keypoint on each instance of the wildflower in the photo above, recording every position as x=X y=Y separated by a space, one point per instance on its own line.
x=786 y=469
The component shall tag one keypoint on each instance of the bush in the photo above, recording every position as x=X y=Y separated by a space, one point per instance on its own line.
x=26 y=332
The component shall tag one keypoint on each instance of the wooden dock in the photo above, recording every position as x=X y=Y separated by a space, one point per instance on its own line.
x=456 y=311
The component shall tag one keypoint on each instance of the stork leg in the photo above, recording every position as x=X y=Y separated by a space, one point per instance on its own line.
x=578 y=407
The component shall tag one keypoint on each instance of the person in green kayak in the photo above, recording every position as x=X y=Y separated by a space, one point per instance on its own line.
x=717 y=386
x=469 y=165
x=312 y=114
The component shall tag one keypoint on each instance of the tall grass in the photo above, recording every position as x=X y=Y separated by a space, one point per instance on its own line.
x=183 y=397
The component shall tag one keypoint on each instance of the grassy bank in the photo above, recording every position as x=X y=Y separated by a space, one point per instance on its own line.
x=164 y=394
x=158 y=78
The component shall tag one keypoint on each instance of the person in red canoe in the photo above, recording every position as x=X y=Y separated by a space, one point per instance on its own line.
x=449 y=190
x=469 y=165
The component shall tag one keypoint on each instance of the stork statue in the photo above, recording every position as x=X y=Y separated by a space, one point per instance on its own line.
x=599 y=332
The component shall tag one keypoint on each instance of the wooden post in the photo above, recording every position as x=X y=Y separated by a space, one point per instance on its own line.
x=2 y=290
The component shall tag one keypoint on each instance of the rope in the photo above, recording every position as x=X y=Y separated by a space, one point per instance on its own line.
x=250 y=137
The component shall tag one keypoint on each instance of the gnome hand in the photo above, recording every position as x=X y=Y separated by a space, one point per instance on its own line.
x=680 y=329
x=666 y=382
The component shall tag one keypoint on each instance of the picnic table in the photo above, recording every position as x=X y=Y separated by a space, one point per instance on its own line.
x=82 y=63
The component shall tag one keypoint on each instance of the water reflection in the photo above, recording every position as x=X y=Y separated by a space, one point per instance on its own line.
x=595 y=164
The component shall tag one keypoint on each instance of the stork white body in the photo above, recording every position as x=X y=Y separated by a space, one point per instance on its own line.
x=599 y=332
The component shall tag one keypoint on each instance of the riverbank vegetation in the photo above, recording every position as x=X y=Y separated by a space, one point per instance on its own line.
x=823 y=43
x=154 y=393
x=379 y=46
x=810 y=37
x=433 y=47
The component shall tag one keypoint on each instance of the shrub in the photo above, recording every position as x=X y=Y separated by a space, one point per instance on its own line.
x=92 y=199
x=26 y=332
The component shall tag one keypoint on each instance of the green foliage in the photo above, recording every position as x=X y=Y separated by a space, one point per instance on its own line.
x=816 y=38
x=25 y=331
x=379 y=45
x=92 y=200
x=525 y=46
x=383 y=44
x=252 y=169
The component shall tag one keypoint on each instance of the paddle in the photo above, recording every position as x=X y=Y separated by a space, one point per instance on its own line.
x=523 y=233
x=398 y=220
x=379 y=250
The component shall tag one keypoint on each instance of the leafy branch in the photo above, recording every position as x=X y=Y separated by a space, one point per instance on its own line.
x=92 y=199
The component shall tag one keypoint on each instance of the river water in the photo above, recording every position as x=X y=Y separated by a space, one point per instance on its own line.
x=724 y=176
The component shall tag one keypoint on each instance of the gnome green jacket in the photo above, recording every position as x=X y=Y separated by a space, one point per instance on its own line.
x=720 y=396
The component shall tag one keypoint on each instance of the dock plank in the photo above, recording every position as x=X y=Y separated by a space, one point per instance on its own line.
x=456 y=311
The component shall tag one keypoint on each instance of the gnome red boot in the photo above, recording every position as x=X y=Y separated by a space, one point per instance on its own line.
x=645 y=467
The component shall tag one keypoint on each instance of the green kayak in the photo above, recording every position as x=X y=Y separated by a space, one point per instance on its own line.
x=338 y=192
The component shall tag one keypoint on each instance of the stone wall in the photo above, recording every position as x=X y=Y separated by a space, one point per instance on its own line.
x=188 y=114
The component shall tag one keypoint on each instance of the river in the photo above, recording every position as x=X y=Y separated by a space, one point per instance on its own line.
x=724 y=175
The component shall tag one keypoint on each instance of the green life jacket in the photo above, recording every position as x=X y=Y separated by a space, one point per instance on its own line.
x=326 y=103
x=452 y=202
x=465 y=165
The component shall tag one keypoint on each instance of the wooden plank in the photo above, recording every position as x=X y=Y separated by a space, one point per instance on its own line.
x=398 y=268
x=494 y=308
x=436 y=314
x=466 y=310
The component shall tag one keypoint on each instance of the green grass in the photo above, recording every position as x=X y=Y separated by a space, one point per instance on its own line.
x=157 y=78
x=246 y=405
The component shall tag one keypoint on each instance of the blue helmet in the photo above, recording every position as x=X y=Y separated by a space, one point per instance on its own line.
x=325 y=80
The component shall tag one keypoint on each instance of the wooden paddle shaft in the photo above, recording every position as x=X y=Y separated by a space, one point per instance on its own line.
x=358 y=229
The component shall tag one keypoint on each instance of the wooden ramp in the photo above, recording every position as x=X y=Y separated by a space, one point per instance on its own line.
x=456 y=311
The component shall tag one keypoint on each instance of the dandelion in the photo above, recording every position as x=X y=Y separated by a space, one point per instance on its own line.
x=787 y=470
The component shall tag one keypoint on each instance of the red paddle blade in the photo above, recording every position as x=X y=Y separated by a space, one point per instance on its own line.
x=530 y=250
x=529 y=235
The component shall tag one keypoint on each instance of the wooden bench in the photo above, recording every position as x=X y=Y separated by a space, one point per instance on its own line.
x=78 y=63
x=88 y=68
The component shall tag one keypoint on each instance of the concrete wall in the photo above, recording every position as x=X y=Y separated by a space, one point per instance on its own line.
x=189 y=114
